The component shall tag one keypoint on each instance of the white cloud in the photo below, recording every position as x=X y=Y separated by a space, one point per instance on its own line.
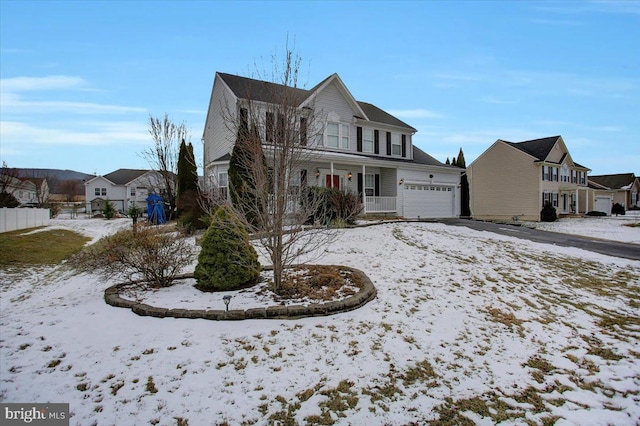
x=15 y=104
x=14 y=133
x=415 y=113
x=52 y=82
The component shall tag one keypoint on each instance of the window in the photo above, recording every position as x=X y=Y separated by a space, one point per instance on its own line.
x=133 y=191
x=396 y=146
x=564 y=173
x=345 y=136
x=333 y=135
x=369 y=185
x=104 y=191
x=97 y=191
x=367 y=140
x=223 y=183
x=550 y=197
x=555 y=173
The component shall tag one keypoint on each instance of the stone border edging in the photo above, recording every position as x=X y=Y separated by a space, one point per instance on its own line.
x=367 y=293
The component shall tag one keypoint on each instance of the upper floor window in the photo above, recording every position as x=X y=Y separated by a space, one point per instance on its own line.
x=333 y=135
x=396 y=145
x=367 y=140
x=100 y=191
x=564 y=173
x=345 y=136
x=223 y=184
x=133 y=191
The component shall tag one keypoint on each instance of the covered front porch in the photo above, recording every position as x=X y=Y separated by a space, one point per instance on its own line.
x=376 y=185
x=573 y=201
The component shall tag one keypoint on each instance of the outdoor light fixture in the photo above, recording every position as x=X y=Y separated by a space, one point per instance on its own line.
x=317 y=173
x=401 y=182
x=226 y=299
x=349 y=176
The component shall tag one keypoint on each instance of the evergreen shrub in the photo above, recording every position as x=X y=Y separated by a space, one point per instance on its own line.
x=548 y=213
x=227 y=260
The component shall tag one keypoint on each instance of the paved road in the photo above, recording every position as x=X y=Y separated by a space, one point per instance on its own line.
x=611 y=248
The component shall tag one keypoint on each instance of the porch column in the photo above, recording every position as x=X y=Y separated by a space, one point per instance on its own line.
x=331 y=180
x=364 y=193
x=577 y=201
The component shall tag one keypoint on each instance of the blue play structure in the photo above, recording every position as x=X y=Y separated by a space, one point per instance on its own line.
x=155 y=209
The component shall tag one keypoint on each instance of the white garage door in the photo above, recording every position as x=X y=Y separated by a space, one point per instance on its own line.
x=603 y=204
x=428 y=201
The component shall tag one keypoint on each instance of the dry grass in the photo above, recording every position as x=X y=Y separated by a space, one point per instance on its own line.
x=318 y=282
x=39 y=248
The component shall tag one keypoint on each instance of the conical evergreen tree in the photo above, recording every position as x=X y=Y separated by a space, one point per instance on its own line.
x=460 y=162
x=241 y=179
x=447 y=162
x=227 y=260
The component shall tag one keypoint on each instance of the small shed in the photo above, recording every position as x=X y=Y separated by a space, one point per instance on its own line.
x=155 y=209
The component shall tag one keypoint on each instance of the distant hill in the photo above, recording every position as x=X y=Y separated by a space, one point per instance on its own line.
x=53 y=174
x=56 y=177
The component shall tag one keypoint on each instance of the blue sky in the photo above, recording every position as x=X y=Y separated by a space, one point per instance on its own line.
x=80 y=78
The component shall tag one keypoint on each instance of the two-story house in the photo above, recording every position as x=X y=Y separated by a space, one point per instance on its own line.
x=356 y=146
x=122 y=188
x=513 y=180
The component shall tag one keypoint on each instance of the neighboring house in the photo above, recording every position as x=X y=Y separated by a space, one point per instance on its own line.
x=620 y=188
x=25 y=191
x=514 y=180
x=122 y=188
x=359 y=148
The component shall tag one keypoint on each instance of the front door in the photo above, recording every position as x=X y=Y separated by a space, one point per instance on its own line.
x=333 y=181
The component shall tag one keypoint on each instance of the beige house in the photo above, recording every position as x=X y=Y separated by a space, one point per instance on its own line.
x=513 y=180
x=622 y=188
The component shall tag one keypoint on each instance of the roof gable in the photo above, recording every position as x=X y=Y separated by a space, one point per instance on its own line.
x=342 y=88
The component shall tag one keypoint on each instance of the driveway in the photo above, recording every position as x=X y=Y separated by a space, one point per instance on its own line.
x=610 y=248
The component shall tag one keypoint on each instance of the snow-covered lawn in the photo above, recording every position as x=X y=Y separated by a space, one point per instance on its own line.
x=609 y=227
x=465 y=326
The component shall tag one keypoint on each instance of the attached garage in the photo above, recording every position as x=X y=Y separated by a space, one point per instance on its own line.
x=428 y=200
x=602 y=204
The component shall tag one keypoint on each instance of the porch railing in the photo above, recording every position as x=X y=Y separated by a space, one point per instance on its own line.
x=380 y=204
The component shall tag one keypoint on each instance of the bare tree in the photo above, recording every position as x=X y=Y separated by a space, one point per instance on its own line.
x=70 y=189
x=8 y=177
x=273 y=197
x=163 y=155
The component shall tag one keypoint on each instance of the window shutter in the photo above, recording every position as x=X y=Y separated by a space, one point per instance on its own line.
x=388 y=143
x=270 y=126
x=244 y=121
x=303 y=131
x=376 y=142
x=404 y=145
x=377 y=185
x=360 y=184
x=359 y=138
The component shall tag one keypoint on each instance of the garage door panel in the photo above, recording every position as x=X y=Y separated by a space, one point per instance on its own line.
x=428 y=201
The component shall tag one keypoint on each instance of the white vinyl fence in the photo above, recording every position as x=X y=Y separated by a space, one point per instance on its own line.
x=12 y=219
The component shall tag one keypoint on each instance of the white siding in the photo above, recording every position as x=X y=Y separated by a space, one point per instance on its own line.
x=218 y=139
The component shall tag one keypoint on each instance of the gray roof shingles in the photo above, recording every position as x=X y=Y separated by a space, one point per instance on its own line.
x=614 y=181
x=538 y=148
x=263 y=91
x=124 y=176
